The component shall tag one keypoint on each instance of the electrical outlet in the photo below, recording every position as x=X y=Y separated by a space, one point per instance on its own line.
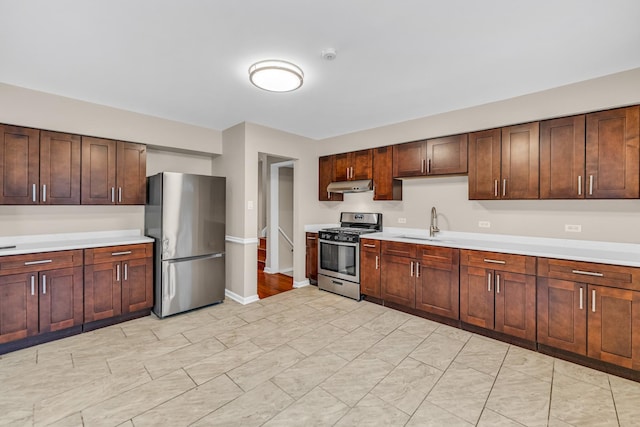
x=250 y=205
x=573 y=228
x=484 y=224
x=402 y=220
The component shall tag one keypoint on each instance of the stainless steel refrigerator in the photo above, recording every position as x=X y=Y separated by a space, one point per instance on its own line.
x=185 y=214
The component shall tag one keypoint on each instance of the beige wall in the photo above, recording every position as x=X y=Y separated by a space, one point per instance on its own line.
x=608 y=220
x=285 y=217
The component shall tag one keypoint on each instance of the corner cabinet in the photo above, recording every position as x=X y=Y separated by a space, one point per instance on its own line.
x=113 y=172
x=385 y=187
x=118 y=280
x=498 y=292
x=40 y=293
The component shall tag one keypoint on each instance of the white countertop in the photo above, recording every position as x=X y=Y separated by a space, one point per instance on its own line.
x=627 y=254
x=70 y=241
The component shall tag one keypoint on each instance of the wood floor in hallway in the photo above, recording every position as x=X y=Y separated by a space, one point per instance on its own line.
x=273 y=284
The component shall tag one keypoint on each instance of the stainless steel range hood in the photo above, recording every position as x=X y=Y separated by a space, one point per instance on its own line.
x=358 y=186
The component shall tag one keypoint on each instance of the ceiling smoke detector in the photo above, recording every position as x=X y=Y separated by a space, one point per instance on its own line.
x=329 y=54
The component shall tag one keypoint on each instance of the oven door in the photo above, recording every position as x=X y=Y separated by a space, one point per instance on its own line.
x=339 y=260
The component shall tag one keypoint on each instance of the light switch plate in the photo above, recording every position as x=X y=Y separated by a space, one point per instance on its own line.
x=250 y=205
x=573 y=228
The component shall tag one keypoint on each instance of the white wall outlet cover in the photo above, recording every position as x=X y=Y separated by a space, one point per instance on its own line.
x=484 y=224
x=573 y=228
x=402 y=220
x=250 y=204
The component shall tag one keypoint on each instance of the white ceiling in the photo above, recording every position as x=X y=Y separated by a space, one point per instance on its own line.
x=187 y=60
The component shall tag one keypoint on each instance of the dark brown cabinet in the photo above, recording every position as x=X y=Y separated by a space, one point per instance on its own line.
x=40 y=293
x=398 y=283
x=118 y=280
x=39 y=167
x=437 y=283
x=353 y=165
x=562 y=158
x=113 y=172
x=504 y=163
x=498 y=292
x=590 y=309
x=311 y=260
x=385 y=187
x=438 y=156
x=370 y=267
x=326 y=173
x=612 y=154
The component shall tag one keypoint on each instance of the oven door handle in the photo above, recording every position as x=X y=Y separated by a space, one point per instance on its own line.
x=332 y=242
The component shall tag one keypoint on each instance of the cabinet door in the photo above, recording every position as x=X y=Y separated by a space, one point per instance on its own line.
x=361 y=164
x=61 y=299
x=59 y=168
x=342 y=171
x=398 y=280
x=437 y=290
x=562 y=314
x=562 y=151
x=409 y=159
x=98 y=171
x=447 y=155
x=19 y=165
x=476 y=296
x=137 y=285
x=612 y=163
x=370 y=271
x=520 y=161
x=484 y=165
x=515 y=299
x=326 y=173
x=102 y=291
x=384 y=186
x=18 y=306
x=131 y=175
x=614 y=326
x=311 y=261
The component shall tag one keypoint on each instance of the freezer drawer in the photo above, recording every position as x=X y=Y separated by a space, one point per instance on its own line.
x=189 y=283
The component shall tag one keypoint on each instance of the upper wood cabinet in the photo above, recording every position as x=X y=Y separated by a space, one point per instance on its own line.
x=438 y=156
x=113 y=172
x=385 y=187
x=562 y=154
x=504 y=163
x=39 y=167
x=326 y=172
x=353 y=165
x=612 y=154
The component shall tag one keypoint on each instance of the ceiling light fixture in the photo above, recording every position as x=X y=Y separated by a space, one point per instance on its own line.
x=276 y=76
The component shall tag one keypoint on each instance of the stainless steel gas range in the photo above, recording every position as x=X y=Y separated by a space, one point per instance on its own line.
x=339 y=253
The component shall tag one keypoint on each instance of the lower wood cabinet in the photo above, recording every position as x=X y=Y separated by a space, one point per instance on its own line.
x=498 y=292
x=40 y=293
x=118 y=280
x=590 y=309
x=370 y=267
x=311 y=260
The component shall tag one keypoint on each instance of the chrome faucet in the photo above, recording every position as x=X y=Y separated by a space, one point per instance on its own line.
x=433 y=228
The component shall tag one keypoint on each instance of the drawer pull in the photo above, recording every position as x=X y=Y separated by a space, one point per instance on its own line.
x=43 y=261
x=44 y=192
x=587 y=273
x=33 y=193
x=119 y=194
x=120 y=253
x=368 y=245
x=494 y=261
x=311 y=238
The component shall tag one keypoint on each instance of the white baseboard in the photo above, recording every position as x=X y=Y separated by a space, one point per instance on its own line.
x=286 y=270
x=301 y=284
x=269 y=270
x=238 y=298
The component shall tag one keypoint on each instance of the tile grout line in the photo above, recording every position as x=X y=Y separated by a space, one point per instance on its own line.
x=493 y=384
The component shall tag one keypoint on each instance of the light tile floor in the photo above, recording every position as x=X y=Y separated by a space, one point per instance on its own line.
x=302 y=358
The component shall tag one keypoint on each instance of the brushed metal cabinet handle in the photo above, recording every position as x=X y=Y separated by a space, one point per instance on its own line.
x=44 y=192
x=113 y=196
x=351 y=172
x=42 y=261
x=581 y=298
x=587 y=273
x=494 y=261
x=495 y=188
x=120 y=253
x=118 y=273
x=504 y=187
x=377 y=262
x=328 y=195
x=33 y=285
x=119 y=194
x=593 y=300
x=417 y=269
x=489 y=282
x=347 y=173
x=422 y=166
x=411 y=268
x=33 y=193
x=311 y=238
x=579 y=185
x=44 y=284
x=497 y=283
x=591 y=185
x=368 y=245
x=428 y=166
x=126 y=269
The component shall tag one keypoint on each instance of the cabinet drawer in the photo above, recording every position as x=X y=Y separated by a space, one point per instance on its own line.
x=437 y=255
x=587 y=272
x=370 y=245
x=14 y=264
x=407 y=250
x=117 y=253
x=499 y=261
